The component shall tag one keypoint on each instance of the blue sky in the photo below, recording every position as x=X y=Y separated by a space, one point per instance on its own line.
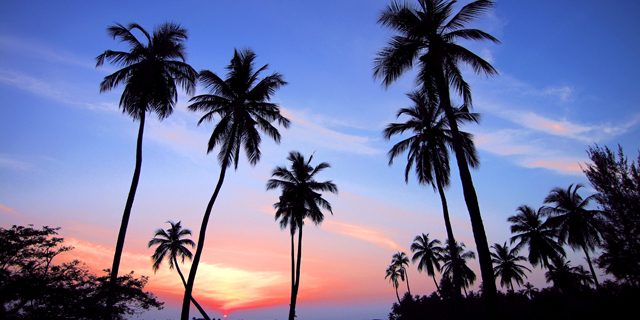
x=568 y=78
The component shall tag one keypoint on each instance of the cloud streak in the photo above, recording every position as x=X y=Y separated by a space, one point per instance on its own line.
x=367 y=234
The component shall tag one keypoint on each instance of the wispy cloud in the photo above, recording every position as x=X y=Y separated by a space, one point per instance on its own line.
x=367 y=234
x=7 y=209
x=316 y=134
x=7 y=162
x=44 y=51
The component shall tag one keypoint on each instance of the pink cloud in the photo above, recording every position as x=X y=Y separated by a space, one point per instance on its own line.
x=7 y=209
x=561 y=165
x=367 y=234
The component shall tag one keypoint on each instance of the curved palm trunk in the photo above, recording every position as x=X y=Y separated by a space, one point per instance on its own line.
x=593 y=272
x=436 y=283
x=452 y=242
x=200 y=246
x=397 y=296
x=294 y=297
x=293 y=276
x=407 y=276
x=195 y=303
x=125 y=222
x=471 y=200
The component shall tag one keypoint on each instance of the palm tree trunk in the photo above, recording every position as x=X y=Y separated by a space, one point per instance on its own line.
x=471 y=200
x=452 y=241
x=593 y=272
x=200 y=246
x=293 y=277
x=436 y=283
x=195 y=303
x=292 y=310
x=407 y=276
x=397 y=296
x=125 y=222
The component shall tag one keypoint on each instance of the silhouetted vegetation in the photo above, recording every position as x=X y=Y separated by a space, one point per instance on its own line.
x=33 y=287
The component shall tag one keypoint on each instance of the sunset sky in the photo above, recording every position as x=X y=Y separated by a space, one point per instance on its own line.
x=568 y=80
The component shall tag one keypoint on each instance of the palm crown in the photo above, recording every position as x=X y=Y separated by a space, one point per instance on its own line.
x=506 y=265
x=540 y=237
x=152 y=71
x=427 y=253
x=170 y=242
x=242 y=103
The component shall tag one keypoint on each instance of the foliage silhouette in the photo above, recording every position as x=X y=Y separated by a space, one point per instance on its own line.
x=427 y=31
x=242 y=103
x=459 y=255
x=428 y=254
x=506 y=265
x=393 y=274
x=577 y=226
x=428 y=148
x=169 y=243
x=150 y=74
x=618 y=185
x=538 y=236
x=400 y=260
x=300 y=199
x=33 y=287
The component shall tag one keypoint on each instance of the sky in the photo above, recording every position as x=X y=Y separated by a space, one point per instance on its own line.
x=567 y=80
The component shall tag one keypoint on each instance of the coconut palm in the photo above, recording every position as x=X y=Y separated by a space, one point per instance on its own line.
x=427 y=31
x=300 y=199
x=538 y=236
x=449 y=258
x=394 y=274
x=241 y=101
x=506 y=265
x=428 y=254
x=401 y=260
x=150 y=72
x=171 y=245
x=428 y=148
x=577 y=226
x=564 y=276
x=529 y=290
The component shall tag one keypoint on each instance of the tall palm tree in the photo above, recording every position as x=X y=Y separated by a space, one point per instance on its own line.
x=242 y=103
x=150 y=72
x=428 y=254
x=428 y=148
x=300 y=199
x=401 y=260
x=427 y=31
x=460 y=256
x=170 y=242
x=577 y=226
x=538 y=236
x=393 y=274
x=506 y=265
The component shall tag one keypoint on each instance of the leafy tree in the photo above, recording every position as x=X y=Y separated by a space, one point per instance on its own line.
x=393 y=274
x=242 y=103
x=150 y=74
x=169 y=242
x=506 y=265
x=33 y=287
x=577 y=226
x=401 y=260
x=618 y=185
x=427 y=31
x=538 y=236
x=300 y=199
x=428 y=148
x=428 y=254
x=459 y=255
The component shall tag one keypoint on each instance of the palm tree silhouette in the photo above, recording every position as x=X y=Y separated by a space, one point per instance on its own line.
x=428 y=253
x=170 y=242
x=540 y=237
x=427 y=35
x=529 y=290
x=242 y=103
x=428 y=149
x=300 y=199
x=577 y=226
x=150 y=73
x=565 y=277
x=393 y=274
x=401 y=260
x=506 y=265
x=449 y=258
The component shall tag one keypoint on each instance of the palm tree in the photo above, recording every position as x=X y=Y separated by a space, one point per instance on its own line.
x=506 y=265
x=401 y=260
x=563 y=275
x=242 y=103
x=539 y=236
x=427 y=35
x=577 y=226
x=428 y=253
x=150 y=73
x=170 y=242
x=529 y=290
x=393 y=274
x=467 y=275
x=428 y=148
x=300 y=199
